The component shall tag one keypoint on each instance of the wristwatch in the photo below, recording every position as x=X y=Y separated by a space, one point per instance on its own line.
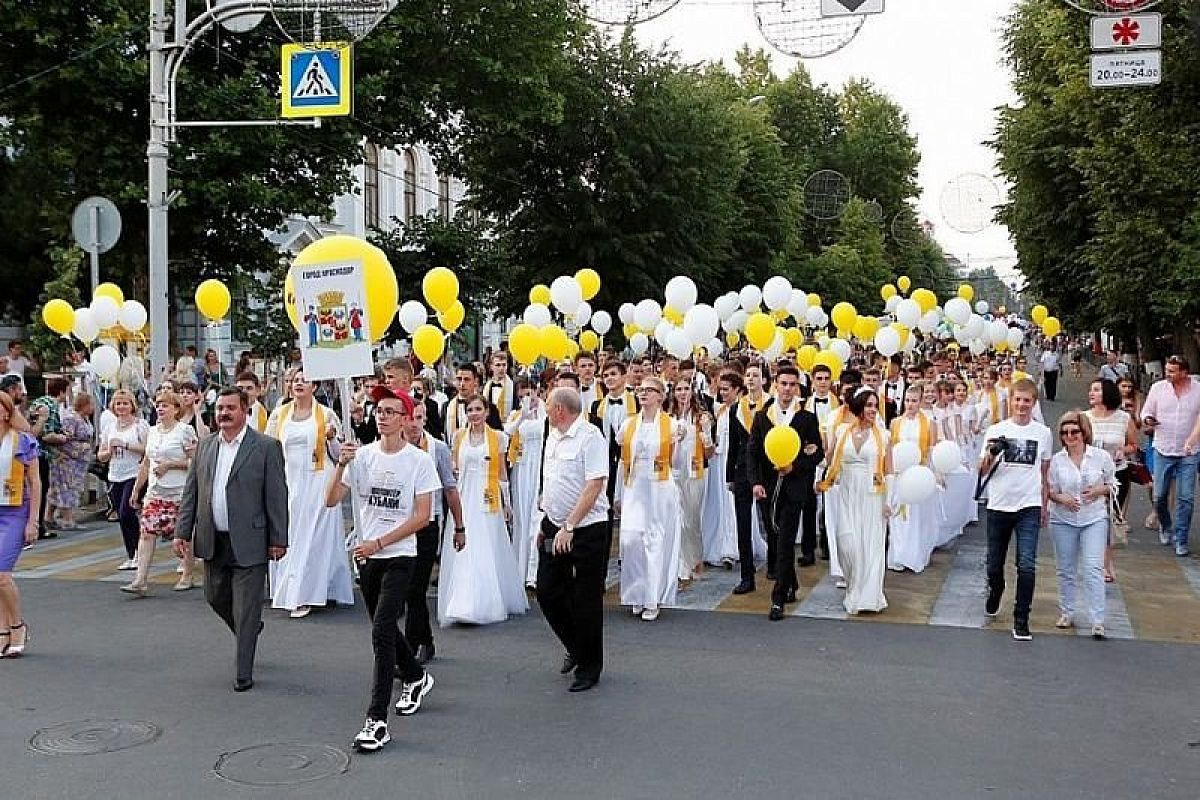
x=568 y=527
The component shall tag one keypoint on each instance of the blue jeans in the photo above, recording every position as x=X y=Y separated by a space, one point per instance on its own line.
x=1182 y=471
x=1001 y=526
x=1086 y=543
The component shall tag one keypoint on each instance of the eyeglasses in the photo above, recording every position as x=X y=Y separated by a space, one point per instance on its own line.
x=1070 y=431
x=644 y=389
x=389 y=412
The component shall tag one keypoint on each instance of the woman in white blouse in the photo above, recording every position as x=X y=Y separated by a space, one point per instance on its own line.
x=1081 y=478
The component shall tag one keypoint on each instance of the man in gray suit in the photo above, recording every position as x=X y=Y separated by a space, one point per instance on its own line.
x=234 y=515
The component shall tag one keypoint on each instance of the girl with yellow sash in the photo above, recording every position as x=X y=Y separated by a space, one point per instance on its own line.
x=316 y=568
x=859 y=467
x=913 y=532
x=526 y=428
x=480 y=584
x=690 y=472
x=20 y=498
x=648 y=500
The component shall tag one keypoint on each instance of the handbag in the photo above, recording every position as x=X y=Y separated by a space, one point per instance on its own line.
x=1118 y=525
x=1139 y=474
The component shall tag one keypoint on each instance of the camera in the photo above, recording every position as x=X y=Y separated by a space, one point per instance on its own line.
x=998 y=446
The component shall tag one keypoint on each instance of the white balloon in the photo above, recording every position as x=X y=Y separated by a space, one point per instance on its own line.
x=892 y=302
x=725 y=305
x=413 y=315
x=647 y=314
x=625 y=313
x=582 y=314
x=978 y=347
x=638 y=343
x=535 y=314
x=566 y=294
x=105 y=311
x=601 y=322
x=679 y=344
x=777 y=344
x=982 y=307
x=797 y=304
x=661 y=330
x=1016 y=338
x=715 y=347
x=842 y=348
x=777 y=292
x=106 y=361
x=916 y=484
x=906 y=453
x=701 y=323
x=85 y=327
x=814 y=316
x=681 y=293
x=997 y=332
x=750 y=297
x=946 y=456
x=908 y=312
x=928 y=322
x=958 y=310
x=887 y=342
x=133 y=316
x=736 y=322
x=975 y=327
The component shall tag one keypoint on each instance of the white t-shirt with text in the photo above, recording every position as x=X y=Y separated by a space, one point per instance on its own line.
x=1017 y=482
x=387 y=485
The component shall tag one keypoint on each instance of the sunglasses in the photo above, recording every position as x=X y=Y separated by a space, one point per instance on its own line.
x=1070 y=431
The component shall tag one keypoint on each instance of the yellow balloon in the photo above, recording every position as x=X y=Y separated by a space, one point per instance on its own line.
x=572 y=349
x=844 y=315
x=59 y=316
x=110 y=290
x=903 y=283
x=806 y=356
x=865 y=328
x=1051 y=326
x=428 y=343
x=966 y=291
x=732 y=339
x=525 y=344
x=673 y=316
x=926 y=299
x=588 y=340
x=903 y=331
x=552 y=341
x=780 y=315
x=842 y=333
x=814 y=299
x=1039 y=314
x=1001 y=311
x=383 y=293
x=452 y=318
x=887 y=292
x=782 y=445
x=213 y=299
x=629 y=329
x=792 y=339
x=1000 y=347
x=760 y=331
x=588 y=280
x=831 y=360
x=440 y=287
x=540 y=294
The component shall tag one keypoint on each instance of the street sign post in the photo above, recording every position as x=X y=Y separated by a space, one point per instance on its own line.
x=845 y=8
x=317 y=80
x=96 y=226
x=1138 y=68
x=1127 y=31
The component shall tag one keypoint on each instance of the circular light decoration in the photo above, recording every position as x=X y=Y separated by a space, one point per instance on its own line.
x=873 y=211
x=625 y=12
x=796 y=27
x=309 y=21
x=905 y=232
x=826 y=194
x=968 y=202
x=1112 y=6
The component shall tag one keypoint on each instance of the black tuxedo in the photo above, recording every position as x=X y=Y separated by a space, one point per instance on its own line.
x=790 y=497
x=740 y=476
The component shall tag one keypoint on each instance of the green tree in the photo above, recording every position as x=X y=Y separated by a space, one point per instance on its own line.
x=66 y=264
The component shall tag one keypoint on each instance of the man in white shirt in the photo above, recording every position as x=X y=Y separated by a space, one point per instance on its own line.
x=1015 y=460
x=397 y=483
x=585 y=368
x=18 y=362
x=574 y=539
x=1050 y=364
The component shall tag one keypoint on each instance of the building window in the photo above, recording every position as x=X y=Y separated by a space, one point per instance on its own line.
x=444 y=196
x=371 y=186
x=410 y=185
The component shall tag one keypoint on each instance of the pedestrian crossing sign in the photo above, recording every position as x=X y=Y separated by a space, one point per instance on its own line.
x=317 y=80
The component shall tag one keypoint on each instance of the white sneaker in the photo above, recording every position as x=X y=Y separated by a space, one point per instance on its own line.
x=128 y=564
x=637 y=610
x=650 y=614
x=372 y=737
x=841 y=583
x=411 y=695
x=301 y=612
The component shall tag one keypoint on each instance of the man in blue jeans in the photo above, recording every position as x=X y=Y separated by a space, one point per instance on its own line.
x=1172 y=412
x=1015 y=459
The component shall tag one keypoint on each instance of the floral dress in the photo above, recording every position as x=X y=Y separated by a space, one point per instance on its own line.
x=69 y=461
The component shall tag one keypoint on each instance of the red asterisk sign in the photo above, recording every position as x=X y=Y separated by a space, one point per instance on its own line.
x=1126 y=31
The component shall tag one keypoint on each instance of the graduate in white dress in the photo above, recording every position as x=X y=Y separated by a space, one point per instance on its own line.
x=316 y=568
x=958 y=486
x=480 y=584
x=859 y=466
x=691 y=475
x=525 y=428
x=648 y=499
x=913 y=529
x=718 y=521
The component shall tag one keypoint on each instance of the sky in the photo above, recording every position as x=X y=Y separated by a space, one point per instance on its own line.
x=940 y=60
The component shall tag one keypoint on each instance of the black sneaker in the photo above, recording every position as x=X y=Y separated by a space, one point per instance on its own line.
x=1021 y=632
x=372 y=737
x=992 y=608
x=411 y=695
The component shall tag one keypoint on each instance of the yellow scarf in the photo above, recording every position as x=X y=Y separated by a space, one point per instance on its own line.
x=318 y=411
x=500 y=404
x=491 y=490
x=260 y=418
x=811 y=403
x=835 y=464
x=515 y=448
x=626 y=399
x=994 y=404
x=14 y=487
x=698 y=452
x=747 y=410
x=452 y=426
x=662 y=463
x=773 y=412
x=922 y=436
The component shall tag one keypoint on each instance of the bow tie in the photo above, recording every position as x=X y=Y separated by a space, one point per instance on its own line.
x=820 y=399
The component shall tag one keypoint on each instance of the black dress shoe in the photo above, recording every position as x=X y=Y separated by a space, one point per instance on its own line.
x=568 y=665
x=771 y=576
x=745 y=587
x=824 y=555
x=582 y=683
x=790 y=597
x=806 y=561
x=425 y=653
x=243 y=684
x=776 y=613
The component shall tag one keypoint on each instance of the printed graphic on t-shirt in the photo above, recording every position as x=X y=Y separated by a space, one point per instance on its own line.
x=386 y=490
x=1021 y=451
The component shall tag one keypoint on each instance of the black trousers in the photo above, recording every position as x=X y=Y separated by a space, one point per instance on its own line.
x=236 y=594
x=744 y=506
x=1050 y=378
x=570 y=591
x=44 y=473
x=385 y=583
x=120 y=494
x=417 y=628
x=786 y=514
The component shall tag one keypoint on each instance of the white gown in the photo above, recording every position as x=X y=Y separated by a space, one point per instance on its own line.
x=958 y=487
x=650 y=526
x=718 y=522
x=913 y=530
x=691 y=502
x=479 y=584
x=316 y=568
x=523 y=478
x=860 y=531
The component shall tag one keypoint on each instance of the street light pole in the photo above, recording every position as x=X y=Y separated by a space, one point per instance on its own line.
x=156 y=197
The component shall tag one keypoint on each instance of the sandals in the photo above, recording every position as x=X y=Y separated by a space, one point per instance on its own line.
x=17 y=650
x=4 y=648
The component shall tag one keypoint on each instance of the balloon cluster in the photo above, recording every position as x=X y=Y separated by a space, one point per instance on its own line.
x=539 y=336
x=109 y=314
x=440 y=289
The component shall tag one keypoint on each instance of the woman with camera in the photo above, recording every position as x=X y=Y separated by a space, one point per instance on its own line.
x=1080 y=480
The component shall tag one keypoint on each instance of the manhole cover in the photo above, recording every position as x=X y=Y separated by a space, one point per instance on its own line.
x=282 y=764
x=90 y=736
